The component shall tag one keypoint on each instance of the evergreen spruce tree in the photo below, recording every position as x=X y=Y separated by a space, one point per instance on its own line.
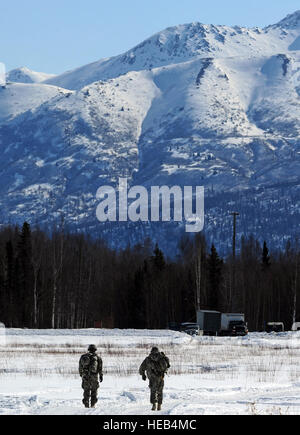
x=158 y=259
x=215 y=265
x=266 y=261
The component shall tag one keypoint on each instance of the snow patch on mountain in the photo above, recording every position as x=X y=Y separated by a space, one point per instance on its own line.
x=17 y=98
x=25 y=75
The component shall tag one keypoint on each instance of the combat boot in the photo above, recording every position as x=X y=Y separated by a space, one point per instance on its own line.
x=159 y=407
x=94 y=403
x=154 y=407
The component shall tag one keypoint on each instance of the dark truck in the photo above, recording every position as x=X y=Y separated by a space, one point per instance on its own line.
x=233 y=324
x=274 y=327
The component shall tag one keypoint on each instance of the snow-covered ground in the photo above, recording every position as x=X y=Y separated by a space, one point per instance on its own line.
x=258 y=374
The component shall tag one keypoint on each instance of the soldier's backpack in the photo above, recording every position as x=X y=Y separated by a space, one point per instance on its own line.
x=93 y=364
x=90 y=363
x=167 y=361
x=163 y=364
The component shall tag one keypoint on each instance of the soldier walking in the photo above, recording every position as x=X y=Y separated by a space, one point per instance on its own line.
x=90 y=370
x=156 y=366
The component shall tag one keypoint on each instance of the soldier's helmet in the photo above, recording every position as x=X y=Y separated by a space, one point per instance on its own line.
x=92 y=348
x=154 y=350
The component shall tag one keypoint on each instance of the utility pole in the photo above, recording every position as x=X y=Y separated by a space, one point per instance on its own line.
x=235 y=215
x=198 y=278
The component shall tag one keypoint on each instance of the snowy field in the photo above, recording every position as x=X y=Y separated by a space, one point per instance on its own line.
x=258 y=374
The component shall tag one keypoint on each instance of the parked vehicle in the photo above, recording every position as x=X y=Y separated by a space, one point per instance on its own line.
x=296 y=326
x=233 y=324
x=190 y=328
x=274 y=327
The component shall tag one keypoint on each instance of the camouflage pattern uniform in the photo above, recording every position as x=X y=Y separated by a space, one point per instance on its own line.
x=90 y=376
x=156 y=370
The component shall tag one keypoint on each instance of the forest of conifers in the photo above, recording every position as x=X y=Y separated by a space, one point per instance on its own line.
x=72 y=281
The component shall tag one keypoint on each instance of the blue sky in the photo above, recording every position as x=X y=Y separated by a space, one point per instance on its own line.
x=59 y=35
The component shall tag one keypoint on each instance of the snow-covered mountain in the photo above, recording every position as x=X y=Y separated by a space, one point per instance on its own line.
x=18 y=98
x=193 y=105
x=25 y=75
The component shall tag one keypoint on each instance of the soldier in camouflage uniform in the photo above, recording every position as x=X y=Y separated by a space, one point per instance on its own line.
x=156 y=366
x=90 y=370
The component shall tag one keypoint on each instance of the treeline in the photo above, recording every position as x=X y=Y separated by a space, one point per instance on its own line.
x=72 y=281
